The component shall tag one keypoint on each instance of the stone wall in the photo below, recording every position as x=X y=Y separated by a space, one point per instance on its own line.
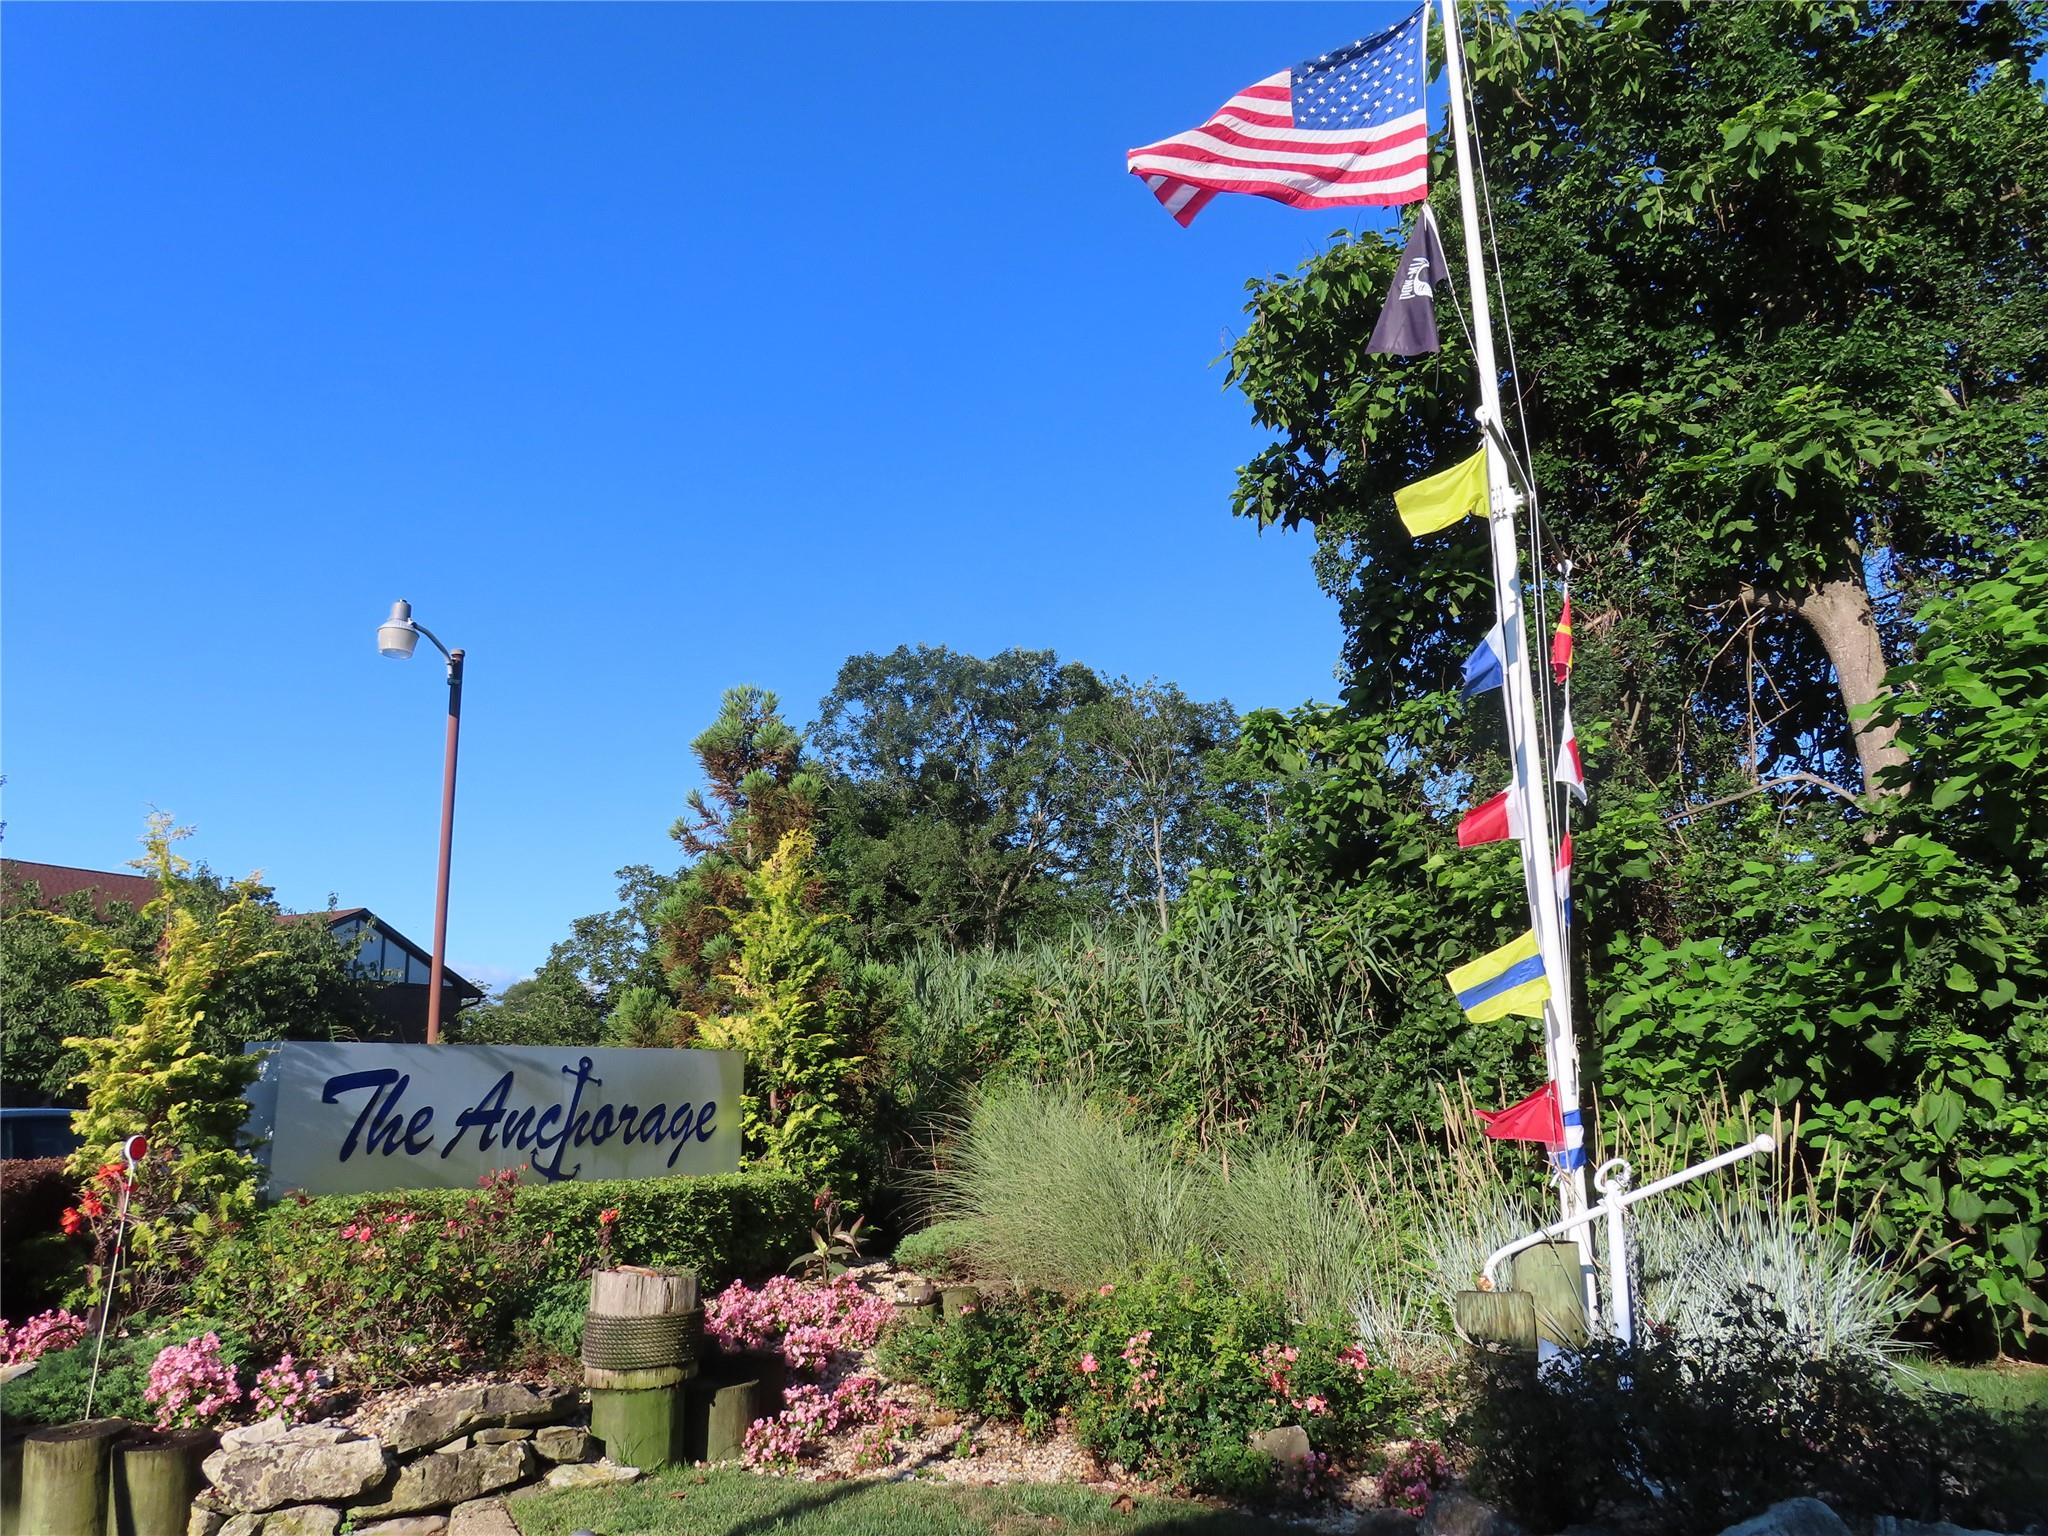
x=443 y=1464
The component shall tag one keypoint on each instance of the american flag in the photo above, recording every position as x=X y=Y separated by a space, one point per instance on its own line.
x=1346 y=128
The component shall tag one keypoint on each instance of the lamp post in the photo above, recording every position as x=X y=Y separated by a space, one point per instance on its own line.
x=397 y=636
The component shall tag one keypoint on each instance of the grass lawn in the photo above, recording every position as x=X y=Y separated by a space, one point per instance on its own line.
x=731 y=1502
x=2011 y=1385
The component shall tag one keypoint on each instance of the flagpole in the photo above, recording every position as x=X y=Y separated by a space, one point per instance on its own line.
x=1526 y=743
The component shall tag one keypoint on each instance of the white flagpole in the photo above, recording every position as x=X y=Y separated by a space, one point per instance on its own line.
x=1525 y=742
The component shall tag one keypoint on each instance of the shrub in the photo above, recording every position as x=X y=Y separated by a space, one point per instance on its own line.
x=55 y=1391
x=39 y=1335
x=944 y=1250
x=150 y=1074
x=33 y=1193
x=552 y=1317
x=1170 y=1373
x=192 y=1385
x=1686 y=1435
x=409 y=1286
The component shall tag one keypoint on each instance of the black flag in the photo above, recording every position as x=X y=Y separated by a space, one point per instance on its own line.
x=1407 y=325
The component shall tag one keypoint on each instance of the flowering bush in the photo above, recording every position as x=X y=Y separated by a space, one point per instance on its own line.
x=56 y=1329
x=810 y=1413
x=281 y=1388
x=1170 y=1373
x=191 y=1385
x=809 y=1324
x=1408 y=1481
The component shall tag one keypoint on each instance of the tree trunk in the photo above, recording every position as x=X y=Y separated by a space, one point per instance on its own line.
x=1839 y=613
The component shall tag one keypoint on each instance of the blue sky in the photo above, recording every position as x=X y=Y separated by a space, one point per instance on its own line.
x=647 y=350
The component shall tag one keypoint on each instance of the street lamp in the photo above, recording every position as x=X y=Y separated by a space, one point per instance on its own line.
x=397 y=636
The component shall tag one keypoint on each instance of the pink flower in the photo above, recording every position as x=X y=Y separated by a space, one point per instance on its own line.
x=1105 y=1290
x=1315 y=1404
x=1090 y=1365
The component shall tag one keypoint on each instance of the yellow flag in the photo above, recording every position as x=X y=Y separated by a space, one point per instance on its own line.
x=1442 y=498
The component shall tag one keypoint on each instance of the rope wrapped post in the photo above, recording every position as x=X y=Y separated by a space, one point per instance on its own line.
x=643 y=1338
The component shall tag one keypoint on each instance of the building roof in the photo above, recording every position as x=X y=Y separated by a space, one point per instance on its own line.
x=56 y=881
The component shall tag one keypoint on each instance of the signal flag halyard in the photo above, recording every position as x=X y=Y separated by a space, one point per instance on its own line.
x=1486 y=667
x=1561 y=645
x=1448 y=496
x=1509 y=980
x=1345 y=129
x=1535 y=1118
x=1571 y=773
x=1491 y=821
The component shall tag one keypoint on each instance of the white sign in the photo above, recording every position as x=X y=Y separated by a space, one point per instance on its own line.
x=367 y=1117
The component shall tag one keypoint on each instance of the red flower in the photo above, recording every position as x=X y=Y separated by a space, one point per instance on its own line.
x=71 y=1222
x=92 y=1205
x=112 y=1173
x=606 y=1217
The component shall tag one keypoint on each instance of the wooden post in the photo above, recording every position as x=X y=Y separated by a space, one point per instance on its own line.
x=1550 y=1273
x=640 y=1343
x=153 y=1478
x=733 y=1410
x=1505 y=1318
x=64 y=1478
x=955 y=1299
x=640 y=1429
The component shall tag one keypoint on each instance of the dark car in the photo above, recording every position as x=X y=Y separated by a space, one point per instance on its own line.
x=36 y=1133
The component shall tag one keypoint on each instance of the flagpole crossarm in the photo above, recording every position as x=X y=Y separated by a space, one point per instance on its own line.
x=1612 y=1182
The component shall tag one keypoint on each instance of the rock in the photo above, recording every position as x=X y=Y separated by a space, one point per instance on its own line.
x=243 y=1525
x=302 y=1466
x=441 y=1416
x=306 y=1520
x=272 y=1428
x=565 y=1442
x=482 y=1517
x=204 y=1522
x=449 y=1477
x=501 y=1436
x=1287 y=1445
x=1456 y=1513
x=1792 y=1517
x=592 y=1474
x=1382 y=1521
x=1895 y=1525
x=407 y=1525
x=459 y=1443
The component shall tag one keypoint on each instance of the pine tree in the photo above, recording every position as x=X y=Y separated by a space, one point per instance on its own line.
x=758 y=791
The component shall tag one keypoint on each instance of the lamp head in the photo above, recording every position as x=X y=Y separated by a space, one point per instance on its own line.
x=397 y=635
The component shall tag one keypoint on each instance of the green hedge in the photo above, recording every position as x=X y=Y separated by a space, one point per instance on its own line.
x=412 y=1284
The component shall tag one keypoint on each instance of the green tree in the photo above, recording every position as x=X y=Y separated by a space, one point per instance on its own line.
x=151 y=1075
x=1774 y=278
x=613 y=952
x=550 y=1007
x=304 y=987
x=958 y=808
x=758 y=789
x=793 y=1018
x=1146 y=749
